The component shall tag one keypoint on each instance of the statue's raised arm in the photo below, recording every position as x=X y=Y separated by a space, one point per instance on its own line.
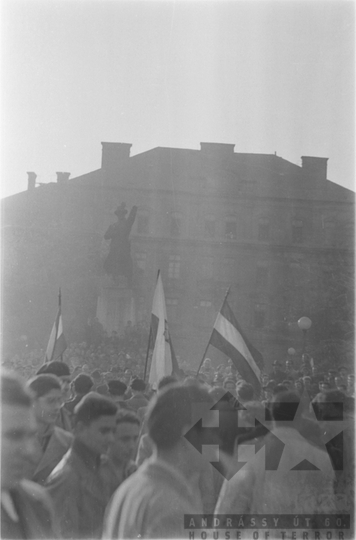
x=119 y=262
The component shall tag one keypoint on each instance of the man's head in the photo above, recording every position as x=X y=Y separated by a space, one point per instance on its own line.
x=307 y=382
x=288 y=383
x=276 y=366
x=284 y=407
x=343 y=371
x=230 y=386
x=244 y=392
x=324 y=386
x=82 y=384
x=48 y=396
x=62 y=371
x=117 y=388
x=289 y=365
x=350 y=382
x=95 y=424
x=18 y=430
x=138 y=386
x=171 y=414
x=126 y=436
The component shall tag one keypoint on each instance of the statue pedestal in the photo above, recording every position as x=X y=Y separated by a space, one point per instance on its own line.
x=116 y=306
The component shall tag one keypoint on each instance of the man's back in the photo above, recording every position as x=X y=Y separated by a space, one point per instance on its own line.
x=78 y=493
x=151 y=504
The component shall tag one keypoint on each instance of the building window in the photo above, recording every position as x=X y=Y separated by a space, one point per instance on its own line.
x=205 y=304
x=263 y=230
x=231 y=229
x=143 y=224
x=209 y=227
x=297 y=232
x=259 y=316
x=172 y=308
x=175 y=228
x=141 y=259
x=174 y=267
x=262 y=275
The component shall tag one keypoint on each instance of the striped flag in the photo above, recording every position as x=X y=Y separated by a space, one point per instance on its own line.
x=228 y=337
x=164 y=361
x=56 y=343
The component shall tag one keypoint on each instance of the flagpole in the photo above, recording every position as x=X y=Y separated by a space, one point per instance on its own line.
x=60 y=308
x=147 y=353
x=149 y=339
x=207 y=347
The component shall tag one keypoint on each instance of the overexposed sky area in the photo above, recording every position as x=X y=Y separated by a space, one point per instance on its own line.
x=264 y=75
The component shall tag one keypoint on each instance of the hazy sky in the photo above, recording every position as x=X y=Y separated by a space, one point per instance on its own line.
x=267 y=76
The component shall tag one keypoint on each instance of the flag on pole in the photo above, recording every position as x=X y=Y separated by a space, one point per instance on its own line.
x=56 y=343
x=164 y=361
x=228 y=337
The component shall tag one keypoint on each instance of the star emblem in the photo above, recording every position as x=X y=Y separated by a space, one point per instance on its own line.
x=274 y=443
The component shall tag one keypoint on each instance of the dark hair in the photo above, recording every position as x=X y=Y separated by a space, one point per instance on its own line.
x=229 y=380
x=125 y=416
x=43 y=384
x=14 y=391
x=284 y=406
x=56 y=368
x=82 y=384
x=116 y=387
x=171 y=410
x=92 y=407
x=279 y=388
x=168 y=379
x=245 y=391
x=138 y=385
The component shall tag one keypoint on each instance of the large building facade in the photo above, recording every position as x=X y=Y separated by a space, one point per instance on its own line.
x=280 y=234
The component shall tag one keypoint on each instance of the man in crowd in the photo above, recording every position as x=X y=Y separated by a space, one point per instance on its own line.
x=117 y=391
x=26 y=511
x=122 y=450
x=138 y=399
x=52 y=442
x=153 y=501
x=277 y=374
x=82 y=385
x=61 y=370
x=76 y=485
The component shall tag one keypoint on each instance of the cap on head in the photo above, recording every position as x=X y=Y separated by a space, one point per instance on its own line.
x=138 y=385
x=61 y=369
x=42 y=384
x=116 y=387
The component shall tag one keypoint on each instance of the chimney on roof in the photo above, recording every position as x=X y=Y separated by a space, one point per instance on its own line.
x=62 y=176
x=217 y=149
x=114 y=155
x=31 y=180
x=315 y=167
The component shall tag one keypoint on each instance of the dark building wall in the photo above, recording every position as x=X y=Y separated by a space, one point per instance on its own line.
x=207 y=219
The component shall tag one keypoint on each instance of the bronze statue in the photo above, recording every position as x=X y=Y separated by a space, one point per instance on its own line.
x=119 y=262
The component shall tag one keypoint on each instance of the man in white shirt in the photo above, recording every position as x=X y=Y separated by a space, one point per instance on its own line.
x=153 y=501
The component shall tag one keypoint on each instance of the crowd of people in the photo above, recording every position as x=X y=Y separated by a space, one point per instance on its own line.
x=89 y=450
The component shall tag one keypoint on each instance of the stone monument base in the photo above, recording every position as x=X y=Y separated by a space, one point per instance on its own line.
x=116 y=305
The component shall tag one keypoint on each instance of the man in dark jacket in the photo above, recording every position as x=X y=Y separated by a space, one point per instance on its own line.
x=26 y=511
x=52 y=442
x=76 y=485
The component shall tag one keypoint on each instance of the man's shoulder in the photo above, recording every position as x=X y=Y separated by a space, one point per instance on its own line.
x=64 y=473
x=63 y=436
